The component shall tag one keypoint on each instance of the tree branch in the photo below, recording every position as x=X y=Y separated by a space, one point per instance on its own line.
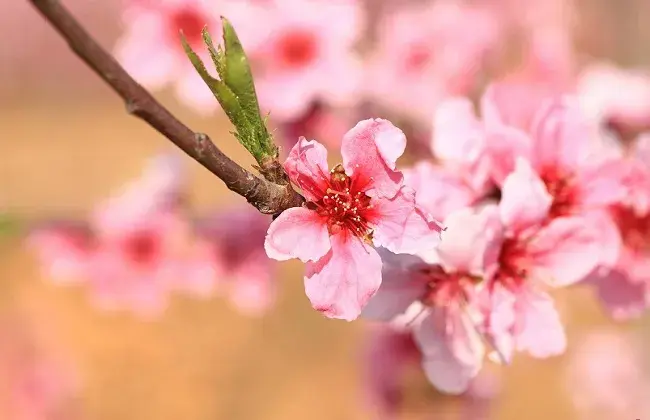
x=267 y=197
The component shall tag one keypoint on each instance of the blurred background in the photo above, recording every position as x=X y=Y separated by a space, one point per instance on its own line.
x=66 y=143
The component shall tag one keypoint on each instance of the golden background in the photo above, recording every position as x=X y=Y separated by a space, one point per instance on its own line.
x=66 y=143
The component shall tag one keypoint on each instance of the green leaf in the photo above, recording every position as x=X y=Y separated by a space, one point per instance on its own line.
x=8 y=225
x=235 y=91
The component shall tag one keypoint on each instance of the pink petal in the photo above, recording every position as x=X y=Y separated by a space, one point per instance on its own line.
x=500 y=320
x=540 y=331
x=452 y=352
x=297 y=233
x=561 y=135
x=438 y=190
x=463 y=242
x=370 y=151
x=401 y=285
x=602 y=184
x=63 y=251
x=252 y=288
x=621 y=296
x=342 y=282
x=524 y=199
x=400 y=226
x=564 y=251
x=307 y=167
x=457 y=133
x=504 y=145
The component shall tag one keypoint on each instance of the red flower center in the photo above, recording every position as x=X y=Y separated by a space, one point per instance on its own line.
x=297 y=48
x=345 y=208
x=512 y=264
x=445 y=288
x=417 y=57
x=191 y=22
x=634 y=228
x=141 y=247
x=562 y=189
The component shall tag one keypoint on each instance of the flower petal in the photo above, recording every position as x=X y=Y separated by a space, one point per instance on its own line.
x=452 y=352
x=402 y=284
x=438 y=190
x=342 y=282
x=623 y=298
x=370 y=151
x=400 y=226
x=525 y=202
x=457 y=131
x=297 y=233
x=464 y=241
x=602 y=184
x=564 y=251
x=307 y=167
x=504 y=145
x=540 y=331
x=561 y=134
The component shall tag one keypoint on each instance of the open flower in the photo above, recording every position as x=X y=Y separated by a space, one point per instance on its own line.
x=528 y=253
x=357 y=204
x=234 y=238
x=151 y=50
x=625 y=289
x=425 y=53
x=300 y=51
x=136 y=247
x=439 y=300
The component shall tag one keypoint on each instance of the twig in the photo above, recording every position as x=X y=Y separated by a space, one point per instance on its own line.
x=267 y=197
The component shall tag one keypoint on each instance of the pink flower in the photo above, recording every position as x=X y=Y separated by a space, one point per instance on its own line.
x=625 y=290
x=301 y=51
x=35 y=384
x=559 y=148
x=439 y=301
x=151 y=50
x=460 y=144
x=355 y=205
x=136 y=247
x=599 y=90
x=388 y=357
x=235 y=239
x=607 y=377
x=529 y=252
x=425 y=52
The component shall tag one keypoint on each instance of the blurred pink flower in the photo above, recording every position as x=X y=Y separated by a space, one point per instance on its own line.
x=559 y=147
x=599 y=90
x=301 y=51
x=439 y=301
x=425 y=52
x=528 y=252
x=136 y=247
x=355 y=205
x=34 y=384
x=607 y=377
x=151 y=51
x=388 y=356
x=235 y=239
x=388 y=353
x=625 y=290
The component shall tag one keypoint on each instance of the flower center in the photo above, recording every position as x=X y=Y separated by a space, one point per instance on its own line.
x=345 y=208
x=141 y=247
x=634 y=228
x=561 y=188
x=512 y=265
x=191 y=22
x=445 y=288
x=297 y=48
x=417 y=57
